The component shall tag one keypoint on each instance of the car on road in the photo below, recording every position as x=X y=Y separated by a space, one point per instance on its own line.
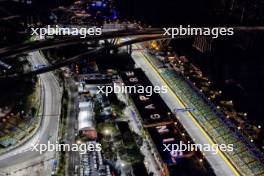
x=39 y=66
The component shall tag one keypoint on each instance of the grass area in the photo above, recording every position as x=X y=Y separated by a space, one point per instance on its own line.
x=117 y=105
x=24 y=105
x=129 y=148
x=62 y=131
x=115 y=141
x=97 y=110
x=32 y=101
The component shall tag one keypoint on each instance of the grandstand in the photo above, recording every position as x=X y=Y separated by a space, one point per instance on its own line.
x=245 y=157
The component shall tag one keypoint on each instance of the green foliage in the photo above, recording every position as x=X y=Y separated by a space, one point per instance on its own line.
x=97 y=109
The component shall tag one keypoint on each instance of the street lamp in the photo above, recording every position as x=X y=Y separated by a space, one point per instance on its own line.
x=122 y=164
x=78 y=142
x=107 y=132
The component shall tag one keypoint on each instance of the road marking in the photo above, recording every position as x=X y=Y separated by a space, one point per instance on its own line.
x=192 y=117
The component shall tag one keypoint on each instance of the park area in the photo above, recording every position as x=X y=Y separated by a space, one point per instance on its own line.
x=19 y=106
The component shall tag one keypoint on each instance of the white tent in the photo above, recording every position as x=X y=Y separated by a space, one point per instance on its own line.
x=86 y=116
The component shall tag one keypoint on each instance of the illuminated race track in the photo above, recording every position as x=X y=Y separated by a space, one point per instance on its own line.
x=222 y=163
x=8 y=53
x=22 y=156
